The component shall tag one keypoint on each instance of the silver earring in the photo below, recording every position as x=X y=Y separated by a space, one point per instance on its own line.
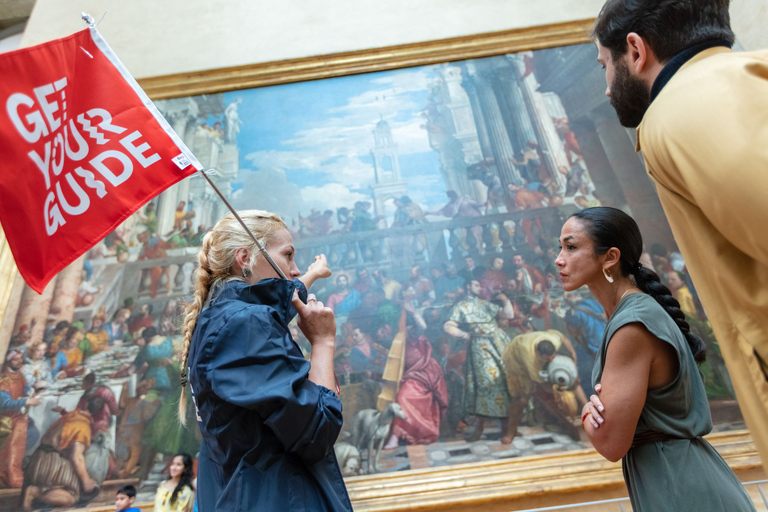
x=607 y=276
x=246 y=272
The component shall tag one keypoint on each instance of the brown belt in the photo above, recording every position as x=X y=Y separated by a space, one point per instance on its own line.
x=651 y=436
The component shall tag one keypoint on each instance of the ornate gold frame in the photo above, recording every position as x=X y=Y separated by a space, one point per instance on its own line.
x=511 y=484
x=367 y=61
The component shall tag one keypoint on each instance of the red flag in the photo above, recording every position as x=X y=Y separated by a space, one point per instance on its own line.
x=81 y=149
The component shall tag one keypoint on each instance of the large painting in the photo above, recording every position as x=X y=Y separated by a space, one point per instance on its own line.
x=437 y=194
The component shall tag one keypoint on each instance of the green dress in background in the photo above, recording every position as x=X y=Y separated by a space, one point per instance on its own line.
x=676 y=475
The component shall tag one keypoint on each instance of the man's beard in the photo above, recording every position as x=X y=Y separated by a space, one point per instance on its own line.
x=630 y=96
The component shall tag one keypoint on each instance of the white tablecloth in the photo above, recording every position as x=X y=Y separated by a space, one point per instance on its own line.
x=66 y=393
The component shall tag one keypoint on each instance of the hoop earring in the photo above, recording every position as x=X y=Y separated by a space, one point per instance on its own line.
x=607 y=276
x=246 y=272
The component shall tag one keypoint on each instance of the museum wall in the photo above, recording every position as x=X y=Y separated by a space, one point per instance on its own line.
x=198 y=34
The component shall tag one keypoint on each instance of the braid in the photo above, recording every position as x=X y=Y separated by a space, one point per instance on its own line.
x=203 y=281
x=648 y=281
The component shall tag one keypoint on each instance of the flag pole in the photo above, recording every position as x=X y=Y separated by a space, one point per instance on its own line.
x=88 y=19
x=262 y=250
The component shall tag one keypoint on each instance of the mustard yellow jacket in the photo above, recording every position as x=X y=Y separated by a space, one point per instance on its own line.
x=705 y=143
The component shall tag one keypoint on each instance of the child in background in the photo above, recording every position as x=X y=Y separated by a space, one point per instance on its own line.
x=126 y=495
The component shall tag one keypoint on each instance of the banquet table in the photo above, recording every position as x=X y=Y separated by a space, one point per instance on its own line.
x=66 y=393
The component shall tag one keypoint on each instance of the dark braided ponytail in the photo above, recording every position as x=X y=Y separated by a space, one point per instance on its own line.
x=648 y=281
x=611 y=227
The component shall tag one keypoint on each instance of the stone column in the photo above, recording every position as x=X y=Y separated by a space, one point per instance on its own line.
x=637 y=186
x=501 y=146
x=510 y=88
x=477 y=112
x=11 y=310
x=10 y=290
x=35 y=306
x=463 y=147
x=65 y=293
x=549 y=141
x=607 y=185
x=179 y=113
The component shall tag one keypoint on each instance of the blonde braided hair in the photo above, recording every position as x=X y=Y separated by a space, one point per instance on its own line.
x=216 y=260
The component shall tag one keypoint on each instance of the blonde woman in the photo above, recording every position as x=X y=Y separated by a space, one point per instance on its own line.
x=268 y=417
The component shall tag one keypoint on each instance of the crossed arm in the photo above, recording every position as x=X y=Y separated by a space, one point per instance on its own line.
x=635 y=361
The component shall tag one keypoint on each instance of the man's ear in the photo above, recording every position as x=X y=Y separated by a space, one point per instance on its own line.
x=638 y=53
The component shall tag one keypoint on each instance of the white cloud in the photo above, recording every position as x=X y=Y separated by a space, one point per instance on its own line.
x=410 y=137
x=268 y=189
x=330 y=196
x=335 y=146
x=283 y=159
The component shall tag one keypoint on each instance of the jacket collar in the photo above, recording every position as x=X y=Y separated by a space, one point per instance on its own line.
x=274 y=292
x=691 y=60
x=676 y=62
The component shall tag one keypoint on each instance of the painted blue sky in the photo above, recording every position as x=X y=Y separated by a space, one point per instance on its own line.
x=307 y=145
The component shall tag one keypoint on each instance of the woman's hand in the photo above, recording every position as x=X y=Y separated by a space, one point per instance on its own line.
x=593 y=408
x=316 y=321
x=317 y=270
x=319 y=267
x=318 y=324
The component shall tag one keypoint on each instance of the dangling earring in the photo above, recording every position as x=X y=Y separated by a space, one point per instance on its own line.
x=246 y=272
x=607 y=276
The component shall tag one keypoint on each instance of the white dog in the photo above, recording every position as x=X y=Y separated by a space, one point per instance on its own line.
x=370 y=429
x=348 y=457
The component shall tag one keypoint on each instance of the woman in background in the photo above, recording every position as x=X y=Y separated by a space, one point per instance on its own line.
x=176 y=494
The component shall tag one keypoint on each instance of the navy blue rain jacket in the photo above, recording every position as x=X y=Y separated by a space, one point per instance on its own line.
x=268 y=431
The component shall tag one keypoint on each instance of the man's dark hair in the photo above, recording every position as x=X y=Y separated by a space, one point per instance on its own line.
x=63 y=324
x=545 y=348
x=90 y=378
x=149 y=332
x=669 y=26
x=95 y=404
x=128 y=490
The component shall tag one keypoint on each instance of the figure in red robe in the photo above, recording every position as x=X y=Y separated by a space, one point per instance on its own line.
x=422 y=395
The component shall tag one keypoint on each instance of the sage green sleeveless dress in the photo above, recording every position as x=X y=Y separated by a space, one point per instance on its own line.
x=677 y=475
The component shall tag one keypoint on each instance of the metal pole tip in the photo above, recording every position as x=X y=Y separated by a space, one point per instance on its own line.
x=87 y=18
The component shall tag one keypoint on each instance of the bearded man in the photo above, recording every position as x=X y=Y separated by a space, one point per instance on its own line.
x=700 y=110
